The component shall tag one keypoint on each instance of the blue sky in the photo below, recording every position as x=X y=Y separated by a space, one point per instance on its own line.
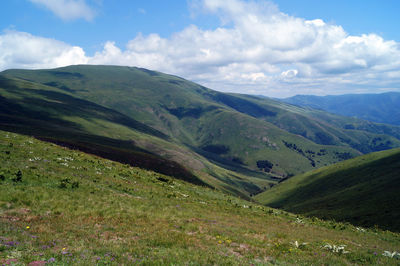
x=275 y=48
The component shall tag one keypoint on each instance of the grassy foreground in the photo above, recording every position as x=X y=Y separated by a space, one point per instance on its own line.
x=63 y=207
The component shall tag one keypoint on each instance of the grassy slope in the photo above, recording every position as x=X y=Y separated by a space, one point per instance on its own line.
x=52 y=115
x=325 y=128
x=73 y=208
x=193 y=115
x=363 y=190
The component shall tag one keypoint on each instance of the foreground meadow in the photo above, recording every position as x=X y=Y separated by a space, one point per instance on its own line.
x=63 y=207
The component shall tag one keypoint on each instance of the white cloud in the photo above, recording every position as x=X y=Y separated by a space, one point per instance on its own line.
x=23 y=50
x=289 y=73
x=68 y=9
x=256 y=49
x=260 y=49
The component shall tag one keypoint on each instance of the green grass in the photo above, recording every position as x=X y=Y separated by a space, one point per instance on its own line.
x=363 y=191
x=68 y=207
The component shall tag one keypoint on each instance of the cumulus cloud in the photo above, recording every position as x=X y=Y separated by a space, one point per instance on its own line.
x=259 y=49
x=68 y=9
x=256 y=49
x=23 y=50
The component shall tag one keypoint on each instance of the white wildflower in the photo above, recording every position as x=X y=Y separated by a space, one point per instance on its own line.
x=299 y=221
x=336 y=249
x=360 y=229
x=299 y=245
x=393 y=254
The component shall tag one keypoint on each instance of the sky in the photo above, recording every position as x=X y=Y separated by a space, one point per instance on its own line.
x=276 y=48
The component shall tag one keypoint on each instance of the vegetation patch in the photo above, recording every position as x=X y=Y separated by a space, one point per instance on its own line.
x=122 y=215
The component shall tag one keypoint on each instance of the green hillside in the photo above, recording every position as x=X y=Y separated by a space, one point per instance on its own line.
x=237 y=143
x=329 y=129
x=63 y=207
x=363 y=191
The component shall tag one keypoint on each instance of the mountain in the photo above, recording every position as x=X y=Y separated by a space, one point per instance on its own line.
x=381 y=108
x=362 y=190
x=237 y=143
x=63 y=207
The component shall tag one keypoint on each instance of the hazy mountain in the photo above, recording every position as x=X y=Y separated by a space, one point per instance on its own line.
x=381 y=108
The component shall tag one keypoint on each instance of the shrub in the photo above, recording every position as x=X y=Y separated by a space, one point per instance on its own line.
x=75 y=184
x=18 y=177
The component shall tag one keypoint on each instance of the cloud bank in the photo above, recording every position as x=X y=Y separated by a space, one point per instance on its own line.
x=68 y=9
x=257 y=49
x=23 y=50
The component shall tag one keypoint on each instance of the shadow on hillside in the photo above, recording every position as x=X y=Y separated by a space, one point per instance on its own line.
x=38 y=113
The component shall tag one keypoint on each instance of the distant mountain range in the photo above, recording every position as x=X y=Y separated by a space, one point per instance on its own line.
x=381 y=108
x=237 y=143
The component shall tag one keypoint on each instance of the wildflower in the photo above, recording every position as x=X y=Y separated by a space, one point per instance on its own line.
x=219 y=242
x=299 y=245
x=393 y=254
x=28 y=227
x=228 y=241
x=336 y=249
x=11 y=243
x=51 y=260
x=360 y=229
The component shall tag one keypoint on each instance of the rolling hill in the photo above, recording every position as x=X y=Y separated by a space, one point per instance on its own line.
x=381 y=108
x=240 y=144
x=63 y=207
x=362 y=190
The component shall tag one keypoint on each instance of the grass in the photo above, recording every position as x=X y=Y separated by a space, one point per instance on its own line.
x=65 y=207
x=363 y=191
